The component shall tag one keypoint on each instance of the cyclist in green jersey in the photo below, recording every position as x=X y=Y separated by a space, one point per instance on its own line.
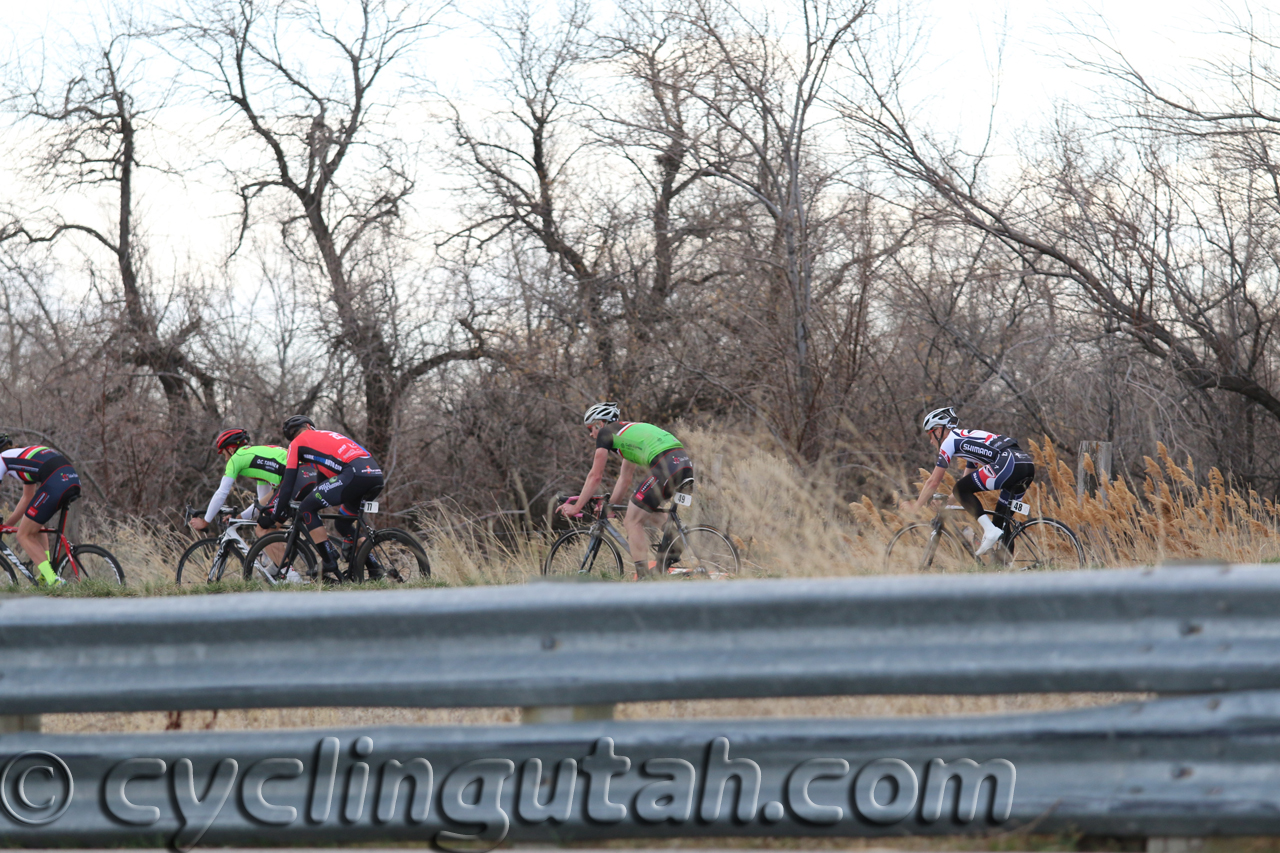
x=264 y=464
x=641 y=446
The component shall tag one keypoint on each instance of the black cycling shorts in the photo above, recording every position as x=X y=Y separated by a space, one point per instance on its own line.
x=360 y=481
x=1011 y=472
x=61 y=485
x=671 y=470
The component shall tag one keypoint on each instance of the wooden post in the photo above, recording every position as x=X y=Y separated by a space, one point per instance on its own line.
x=11 y=723
x=1100 y=453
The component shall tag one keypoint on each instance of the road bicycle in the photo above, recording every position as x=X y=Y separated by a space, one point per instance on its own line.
x=208 y=558
x=598 y=548
x=388 y=553
x=70 y=562
x=1037 y=543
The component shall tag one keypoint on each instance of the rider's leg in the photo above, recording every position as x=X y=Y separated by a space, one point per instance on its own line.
x=59 y=488
x=634 y=522
x=36 y=544
x=967 y=491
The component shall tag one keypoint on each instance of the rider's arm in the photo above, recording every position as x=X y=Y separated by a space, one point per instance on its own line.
x=625 y=476
x=28 y=492
x=265 y=490
x=594 y=478
x=930 y=486
x=290 y=479
x=219 y=498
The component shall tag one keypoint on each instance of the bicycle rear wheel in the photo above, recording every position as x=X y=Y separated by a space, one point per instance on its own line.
x=261 y=563
x=702 y=552
x=575 y=554
x=915 y=547
x=90 y=562
x=396 y=555
x=1042 y=544
x=197 y=562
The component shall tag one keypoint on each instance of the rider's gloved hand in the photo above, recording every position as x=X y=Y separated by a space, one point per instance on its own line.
x=267 y=519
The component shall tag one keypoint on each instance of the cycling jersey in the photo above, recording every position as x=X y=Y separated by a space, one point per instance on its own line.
x=329 y=451
x=263 y=463
x=638 y=443
x=59 y=483
x=258 y=462
x=973 y=445
x=30 y=464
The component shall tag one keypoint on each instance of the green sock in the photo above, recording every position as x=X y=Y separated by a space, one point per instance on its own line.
x=46 y=573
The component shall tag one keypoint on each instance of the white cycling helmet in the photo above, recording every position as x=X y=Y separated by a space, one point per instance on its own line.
x=945 y=417
x=607 y=412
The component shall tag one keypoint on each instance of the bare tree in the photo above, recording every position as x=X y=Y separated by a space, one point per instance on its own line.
x=92 y=124
x=338 y=184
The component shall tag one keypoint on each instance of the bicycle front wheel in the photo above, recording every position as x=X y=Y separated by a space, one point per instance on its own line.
x=1044 y=543
x=268 y=561
x=702 y=552
x=578 y=554
x=90 y=562
x=391 y=554
x=917 y=547
x=197 y=562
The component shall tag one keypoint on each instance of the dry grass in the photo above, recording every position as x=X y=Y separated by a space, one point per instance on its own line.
x=711 y=709
x=787 y=524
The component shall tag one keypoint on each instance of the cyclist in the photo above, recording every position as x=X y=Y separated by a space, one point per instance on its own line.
x=262 y=463
x=353 y=476
x=48 y=481
x=643 y=446
x=997 y=461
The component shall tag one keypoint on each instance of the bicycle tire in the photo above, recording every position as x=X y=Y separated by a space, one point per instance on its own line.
x=570 y=556
x=201 y=553
x=703 y=552
x=397 y=551
x=916 y=546
x=304 y=551
x=93 y=562
x=1042 y=544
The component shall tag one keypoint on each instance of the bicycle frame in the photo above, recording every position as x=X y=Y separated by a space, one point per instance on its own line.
x=61 y=546
x=603 y=526
x=363 y=530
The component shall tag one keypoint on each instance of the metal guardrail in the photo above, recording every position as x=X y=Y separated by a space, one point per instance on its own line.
x=1168 y=767
x=1168 y=630
x=1208 y=764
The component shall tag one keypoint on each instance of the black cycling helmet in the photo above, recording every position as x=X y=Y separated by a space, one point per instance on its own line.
x=294 y=424
x=5 y=441
x=233 y=437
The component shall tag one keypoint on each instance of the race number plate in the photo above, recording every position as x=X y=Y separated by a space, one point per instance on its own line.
x=371 y=507
x=683 y=499
x=1019 y=507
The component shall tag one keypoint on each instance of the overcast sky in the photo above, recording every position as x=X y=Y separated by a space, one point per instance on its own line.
x=972 y=46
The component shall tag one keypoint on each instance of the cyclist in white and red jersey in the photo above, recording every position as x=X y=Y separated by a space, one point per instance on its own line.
x=353 y=476
x=997 y=461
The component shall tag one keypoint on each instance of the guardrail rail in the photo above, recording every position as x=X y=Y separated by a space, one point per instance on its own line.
x=1203 y=761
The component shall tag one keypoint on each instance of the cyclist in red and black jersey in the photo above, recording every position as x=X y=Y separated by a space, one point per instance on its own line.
x=998 y=464
x=353 y=476
x=48 y=481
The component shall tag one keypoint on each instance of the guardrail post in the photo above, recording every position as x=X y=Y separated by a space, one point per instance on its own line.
x=10 y=723
x=565 y=713
x=1161 y=844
